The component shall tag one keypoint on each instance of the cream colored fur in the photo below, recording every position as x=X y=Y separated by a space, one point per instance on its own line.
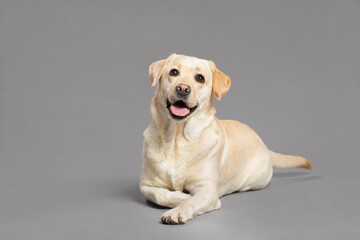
x=189 y=164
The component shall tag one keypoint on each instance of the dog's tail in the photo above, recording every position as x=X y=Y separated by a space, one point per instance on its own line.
x=288 y=161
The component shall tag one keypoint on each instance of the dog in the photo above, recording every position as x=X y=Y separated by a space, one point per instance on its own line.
x=191 y=158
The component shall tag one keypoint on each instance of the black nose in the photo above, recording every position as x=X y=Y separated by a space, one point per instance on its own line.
x=182 y=89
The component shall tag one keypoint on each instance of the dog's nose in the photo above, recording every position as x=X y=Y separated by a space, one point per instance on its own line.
x=182 y=89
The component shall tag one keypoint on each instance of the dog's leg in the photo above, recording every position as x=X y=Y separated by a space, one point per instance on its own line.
x=205 y=199
x=163 y=197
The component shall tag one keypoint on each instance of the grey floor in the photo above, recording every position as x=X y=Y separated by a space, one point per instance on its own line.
x=74 y=100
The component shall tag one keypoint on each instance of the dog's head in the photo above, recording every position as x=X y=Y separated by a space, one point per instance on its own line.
x=186 y=84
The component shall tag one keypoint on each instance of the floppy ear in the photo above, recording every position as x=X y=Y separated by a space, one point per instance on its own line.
x=156 y=69
x=220 y=82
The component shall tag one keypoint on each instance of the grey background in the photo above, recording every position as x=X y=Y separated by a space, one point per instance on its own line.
x=75 y=95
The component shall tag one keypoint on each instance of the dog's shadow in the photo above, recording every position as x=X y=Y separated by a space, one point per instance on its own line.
x=294 y=176
x=132 y=192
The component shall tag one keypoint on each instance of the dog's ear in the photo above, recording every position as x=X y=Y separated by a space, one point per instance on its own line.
x=220 y=82
x=156 y=69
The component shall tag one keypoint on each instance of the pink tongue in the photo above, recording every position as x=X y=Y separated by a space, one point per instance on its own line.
x=179 y=111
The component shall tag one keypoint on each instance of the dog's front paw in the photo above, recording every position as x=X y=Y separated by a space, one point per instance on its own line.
x=175 y=216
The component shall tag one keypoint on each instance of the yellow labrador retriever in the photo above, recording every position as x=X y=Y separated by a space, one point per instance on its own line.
x=191 y=158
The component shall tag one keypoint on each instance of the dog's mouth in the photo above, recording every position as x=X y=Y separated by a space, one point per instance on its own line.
x=179 y=110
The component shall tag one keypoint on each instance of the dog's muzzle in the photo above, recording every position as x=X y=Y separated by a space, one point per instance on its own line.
x=179 y=110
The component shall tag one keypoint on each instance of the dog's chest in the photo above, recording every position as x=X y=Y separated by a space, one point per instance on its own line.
x=170 y=165
x=174 y=168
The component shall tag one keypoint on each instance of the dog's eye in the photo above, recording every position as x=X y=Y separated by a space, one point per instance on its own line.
x=200 y=78
x=174 y=72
